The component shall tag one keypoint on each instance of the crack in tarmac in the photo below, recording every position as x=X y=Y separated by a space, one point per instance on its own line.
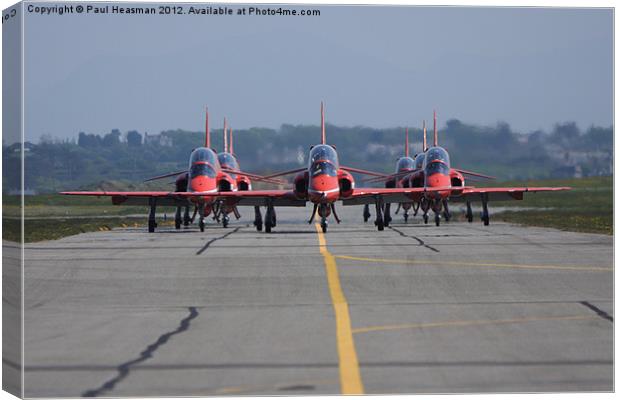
x=124 y=368
x=420 y=241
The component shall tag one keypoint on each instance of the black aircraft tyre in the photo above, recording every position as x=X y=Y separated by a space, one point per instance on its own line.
x=485 y=219
x=437 y=219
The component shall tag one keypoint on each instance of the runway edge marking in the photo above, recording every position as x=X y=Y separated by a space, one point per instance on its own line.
x=350 y=377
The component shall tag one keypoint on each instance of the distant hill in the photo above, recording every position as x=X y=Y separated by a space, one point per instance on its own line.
x=133 y=156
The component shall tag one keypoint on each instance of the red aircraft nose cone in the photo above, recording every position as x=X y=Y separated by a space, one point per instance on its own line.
x=324 y=188
x=439 y=180
x=202 y=184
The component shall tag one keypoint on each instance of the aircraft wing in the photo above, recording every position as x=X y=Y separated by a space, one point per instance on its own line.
x=474 y=194
x=280 y=198
x=139 y=198
x=394 y=195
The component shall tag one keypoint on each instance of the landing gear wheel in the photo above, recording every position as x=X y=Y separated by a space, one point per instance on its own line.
x=425 y=218
x=485 y=219
x=324 y=226
x=406 y=217
x=259 y=226
x=270 y=219
x=273 y=218
x=437 y=219
x=386 y=215
x=201 y=224
x=177 y=224
x=152 y=226
x=366 y=213
x=380 y=225
x=225 y=220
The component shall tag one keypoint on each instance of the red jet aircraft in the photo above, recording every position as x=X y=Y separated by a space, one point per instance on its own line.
x=432 y=168
x=204 y=175
x=323 y=182
x=228 y=160
x=404 y=165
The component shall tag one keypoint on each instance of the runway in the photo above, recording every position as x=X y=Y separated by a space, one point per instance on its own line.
x=459 y=308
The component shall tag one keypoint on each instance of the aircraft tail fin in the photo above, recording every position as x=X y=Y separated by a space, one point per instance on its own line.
x=323 y=139
x=424 y=144
x=435 y=141
x=406 y=142
x=225 y=135
x=207 y=132
x=230 y=144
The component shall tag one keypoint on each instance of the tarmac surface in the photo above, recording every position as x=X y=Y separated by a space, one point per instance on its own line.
x=459 y=308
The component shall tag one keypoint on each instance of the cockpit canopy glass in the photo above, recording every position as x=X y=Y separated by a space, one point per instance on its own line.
x=419 y=161
x=227 y=160
x=404 y=164
x=323 y=152
x=437 y=153
x=203 y=154
x=201 y=170
x=323 y=168
x=437 y=167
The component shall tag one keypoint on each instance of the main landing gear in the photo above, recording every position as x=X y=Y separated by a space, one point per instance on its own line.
x=469 y=214
x=177 y=218
x=446 y=211
x=387 y=218
x=258 y=219
x=379 y=222
x=186 y=218
x=485 y=211
x=152 y=208
x=270 y=218
x=366 y=212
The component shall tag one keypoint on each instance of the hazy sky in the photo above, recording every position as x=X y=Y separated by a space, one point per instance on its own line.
x=374 y=66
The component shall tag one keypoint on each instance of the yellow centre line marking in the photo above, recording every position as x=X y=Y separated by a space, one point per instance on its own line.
x=470 y=264
x=442 y=324
x=350 y=378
